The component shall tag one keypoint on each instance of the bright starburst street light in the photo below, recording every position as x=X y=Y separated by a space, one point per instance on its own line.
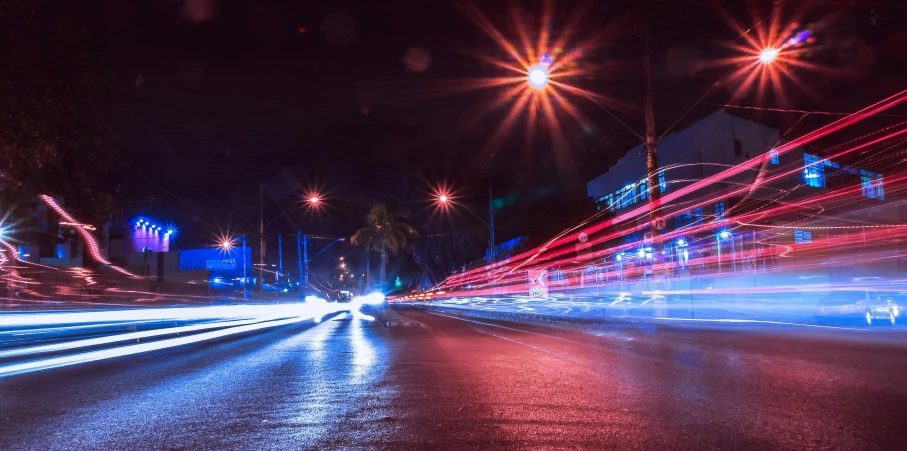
x=314 y=199
x=538 y=77
x=226 y=244
x=768 y=55
x=443 y=198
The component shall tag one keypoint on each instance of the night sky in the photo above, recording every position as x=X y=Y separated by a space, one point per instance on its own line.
x=354 y=99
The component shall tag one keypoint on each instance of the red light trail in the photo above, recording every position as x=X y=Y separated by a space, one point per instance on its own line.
x=750 y=235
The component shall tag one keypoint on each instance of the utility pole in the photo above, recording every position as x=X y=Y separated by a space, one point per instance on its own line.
x=299 y=254
x=491 y=223
x=492 y=253
x=305 y=260
x=261 y=234
x=651 y=140
x=245 y=278
x=279 y=257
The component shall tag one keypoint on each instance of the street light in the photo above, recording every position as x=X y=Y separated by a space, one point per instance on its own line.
x=445 y=201
x=723 y=235
x=314 y=200
x=538 y=77
x=768 y=55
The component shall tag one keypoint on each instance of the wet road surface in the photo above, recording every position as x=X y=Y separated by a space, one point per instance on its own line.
x=458 y=382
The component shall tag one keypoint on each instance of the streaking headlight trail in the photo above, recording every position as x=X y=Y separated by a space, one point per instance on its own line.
x=39 y=341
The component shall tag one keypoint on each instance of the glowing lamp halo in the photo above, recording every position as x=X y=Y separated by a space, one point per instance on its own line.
x=537 y=76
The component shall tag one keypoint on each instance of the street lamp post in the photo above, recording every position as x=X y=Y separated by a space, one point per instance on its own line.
x=299 y=254
x=245 y=281
x=305 y=256
x=723 y=234
x=313 y=200
x=446 y=199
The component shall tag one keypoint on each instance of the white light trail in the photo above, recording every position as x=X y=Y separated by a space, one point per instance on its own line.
x=150 y=314
x=69 y=345
x=235 y=319
x=85 y=357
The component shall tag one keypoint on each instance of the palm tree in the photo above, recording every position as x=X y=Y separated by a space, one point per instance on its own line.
x=385 y=231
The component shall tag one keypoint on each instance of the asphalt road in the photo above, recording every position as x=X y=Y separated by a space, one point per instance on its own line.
x=477 y=383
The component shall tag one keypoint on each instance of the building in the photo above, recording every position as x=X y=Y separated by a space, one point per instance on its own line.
x=811 y=217
x=704 y=149
x=720 y=141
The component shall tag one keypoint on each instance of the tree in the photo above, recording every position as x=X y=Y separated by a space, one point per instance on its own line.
x=54 y=86
x=385 y=231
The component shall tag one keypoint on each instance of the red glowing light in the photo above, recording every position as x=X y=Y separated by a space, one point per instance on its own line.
x=507 y=276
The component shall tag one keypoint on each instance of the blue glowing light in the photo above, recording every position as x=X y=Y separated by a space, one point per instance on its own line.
x=641 y=253
x=724 y=234
x=681 y=242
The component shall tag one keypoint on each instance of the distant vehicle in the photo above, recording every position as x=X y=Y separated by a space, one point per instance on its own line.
x=344 y=296
x=866 y=306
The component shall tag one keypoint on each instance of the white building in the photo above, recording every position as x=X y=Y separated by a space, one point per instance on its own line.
x=707 y=147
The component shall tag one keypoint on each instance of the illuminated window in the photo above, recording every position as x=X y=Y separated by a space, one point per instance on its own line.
x=683 y=219
x=773 y=154
x=644 y=185
x=625 y=197
x=813 y=171
x=606 y=201
x=803 y=236
x=632 y=237
x=688 y=217
x=872 y=184
x=719 y=210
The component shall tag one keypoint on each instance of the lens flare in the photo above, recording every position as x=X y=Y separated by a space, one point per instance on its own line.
x=768 y=55
x=538 y=77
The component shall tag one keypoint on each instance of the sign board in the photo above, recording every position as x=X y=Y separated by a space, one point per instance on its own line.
x=659 y=224
x=538 y=283
x=224 y=264
x=583 y=237
x=647 y=237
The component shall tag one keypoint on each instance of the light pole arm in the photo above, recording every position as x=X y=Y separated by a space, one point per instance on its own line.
x=474 y=214
x=325 y=248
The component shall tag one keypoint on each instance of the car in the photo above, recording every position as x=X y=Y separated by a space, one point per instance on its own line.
x=881 y=306
x=864 y=306
x=344 y=296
